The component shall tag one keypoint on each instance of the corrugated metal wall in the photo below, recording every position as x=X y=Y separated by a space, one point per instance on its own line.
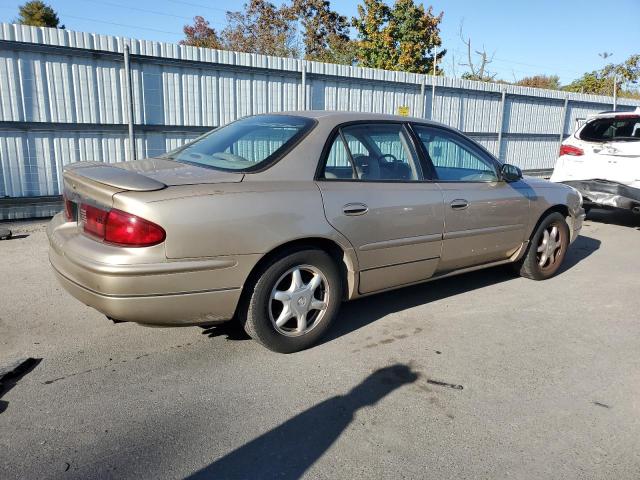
x=63 y=99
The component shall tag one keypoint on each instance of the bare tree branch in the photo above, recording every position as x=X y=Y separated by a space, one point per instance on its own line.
x=477 y=67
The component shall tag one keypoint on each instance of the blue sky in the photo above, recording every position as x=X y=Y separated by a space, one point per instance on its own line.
x=561 y=37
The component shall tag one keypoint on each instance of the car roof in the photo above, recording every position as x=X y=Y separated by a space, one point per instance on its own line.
x=337 y=117
x=615 y=113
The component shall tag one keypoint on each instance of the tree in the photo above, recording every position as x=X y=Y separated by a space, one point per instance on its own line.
x=600 y=82
x=478 y=66
x=38 y=14
x=326 y=32
x=401 y=37
x=590 y=82
x=625 y=72
x=200 y=34
x=262 y=28
x=550 y=82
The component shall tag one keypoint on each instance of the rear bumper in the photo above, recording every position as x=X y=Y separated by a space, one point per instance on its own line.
x=163 y=310
x=143 y=286
x=607 y=194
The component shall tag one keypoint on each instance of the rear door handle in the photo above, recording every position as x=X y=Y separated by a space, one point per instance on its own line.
x=459 y=204
x=355 y=209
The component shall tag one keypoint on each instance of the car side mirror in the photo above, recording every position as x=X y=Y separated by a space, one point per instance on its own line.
x=510 y=173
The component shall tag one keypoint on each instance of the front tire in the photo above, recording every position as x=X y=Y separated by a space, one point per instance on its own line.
x=292 y=301
x=547 y=248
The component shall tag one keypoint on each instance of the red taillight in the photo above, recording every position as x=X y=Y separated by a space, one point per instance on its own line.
x=571 y=150
x=69 y=210
x=132 y=231
x=120 y=228
x=94 y=220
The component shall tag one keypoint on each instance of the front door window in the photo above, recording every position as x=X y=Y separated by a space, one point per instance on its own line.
x=453 y=159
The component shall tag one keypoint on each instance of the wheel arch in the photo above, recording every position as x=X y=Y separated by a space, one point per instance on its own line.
x=557 y=208
x=344 y=260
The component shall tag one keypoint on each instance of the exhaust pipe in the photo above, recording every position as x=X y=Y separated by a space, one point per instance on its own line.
x=636 y=209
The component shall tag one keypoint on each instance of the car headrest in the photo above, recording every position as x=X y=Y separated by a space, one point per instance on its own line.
x=367 y=167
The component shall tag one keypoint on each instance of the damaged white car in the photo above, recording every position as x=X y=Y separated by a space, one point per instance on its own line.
x=602 y=161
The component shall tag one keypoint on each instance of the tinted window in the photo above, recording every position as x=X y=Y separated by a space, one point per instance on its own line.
x=373 y=152
x=610 y=129
x=454 y=159
x=244 y=145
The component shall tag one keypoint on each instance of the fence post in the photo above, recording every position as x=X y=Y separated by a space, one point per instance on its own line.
x=129 y=99
x=303 y=104
x=433 y=97
x=423 y=113
x=565 y=110
x=501 y=122
x=433 y=84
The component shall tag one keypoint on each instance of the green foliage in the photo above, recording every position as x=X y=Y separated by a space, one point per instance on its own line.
x=600 y=82
x=397 y=38
x=550 y=82
x=260 y=28
x=481 y=78
x=326 y=32
x=591 y=82
x=38 y=14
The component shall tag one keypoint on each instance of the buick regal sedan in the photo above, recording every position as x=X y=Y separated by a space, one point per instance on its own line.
x=274 y=220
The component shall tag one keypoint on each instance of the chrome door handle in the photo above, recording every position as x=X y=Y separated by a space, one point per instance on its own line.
x=355 y=209
x=459 y=204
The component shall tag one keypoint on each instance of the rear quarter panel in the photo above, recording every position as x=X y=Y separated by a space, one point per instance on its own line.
x=233 y=219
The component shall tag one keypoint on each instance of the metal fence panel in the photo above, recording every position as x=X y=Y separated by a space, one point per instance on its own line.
x=32 y=161
x=531 y=153
x=63 y=98
x=531 y=115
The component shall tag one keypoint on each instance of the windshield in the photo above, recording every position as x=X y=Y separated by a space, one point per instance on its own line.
x=612 y=129
x=244 y=145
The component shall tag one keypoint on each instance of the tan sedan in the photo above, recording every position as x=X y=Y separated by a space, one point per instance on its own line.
x=274 y=220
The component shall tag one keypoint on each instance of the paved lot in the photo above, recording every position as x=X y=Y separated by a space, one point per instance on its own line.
x=545 y=381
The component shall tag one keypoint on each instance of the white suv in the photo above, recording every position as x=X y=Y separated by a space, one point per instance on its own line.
x=602 y=161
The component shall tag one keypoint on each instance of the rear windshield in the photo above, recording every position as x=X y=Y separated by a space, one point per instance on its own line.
x=612 y=129
x=248 y=144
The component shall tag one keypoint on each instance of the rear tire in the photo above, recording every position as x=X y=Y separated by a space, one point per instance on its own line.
x=547 y=248
x=292 y=301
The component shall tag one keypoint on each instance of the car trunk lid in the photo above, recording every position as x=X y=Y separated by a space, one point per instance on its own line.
x=616 y=161
x=96 y=183
x=150 y=174
x=618 y=148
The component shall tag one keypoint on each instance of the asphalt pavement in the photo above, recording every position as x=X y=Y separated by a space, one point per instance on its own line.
x=484 y=375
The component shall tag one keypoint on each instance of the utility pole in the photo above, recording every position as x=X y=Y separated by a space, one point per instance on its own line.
x=604 y=56
x=615 y=91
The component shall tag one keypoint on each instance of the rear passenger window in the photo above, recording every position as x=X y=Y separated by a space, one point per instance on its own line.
x=372 y=152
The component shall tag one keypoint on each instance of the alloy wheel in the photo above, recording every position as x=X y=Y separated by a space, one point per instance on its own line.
x=550 y=247
x=298 y=300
